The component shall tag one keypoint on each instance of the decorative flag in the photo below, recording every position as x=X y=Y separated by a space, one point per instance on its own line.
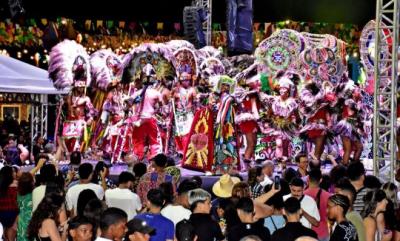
x=177 y=26
x=121 y=24
x=44 y=21
x=160 y=26
x=87 y=24
x=99 y=23
x=256 y=26
x=110 y=24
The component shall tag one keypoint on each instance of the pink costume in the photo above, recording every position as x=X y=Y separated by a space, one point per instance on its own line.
x=143 y=125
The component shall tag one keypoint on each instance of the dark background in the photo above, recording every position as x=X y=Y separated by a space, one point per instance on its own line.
x=333 y=11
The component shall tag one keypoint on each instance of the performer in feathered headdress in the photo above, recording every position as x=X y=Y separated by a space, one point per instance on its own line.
x=107 y=73
x=283 y=112
x=144 y=66
x=184 y=96
x=246 y=96
x=69 y=66
x=226 y=152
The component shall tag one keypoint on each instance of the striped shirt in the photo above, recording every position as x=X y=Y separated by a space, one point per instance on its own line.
x=359 y=201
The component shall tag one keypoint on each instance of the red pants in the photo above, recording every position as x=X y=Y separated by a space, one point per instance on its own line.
x=146 y=134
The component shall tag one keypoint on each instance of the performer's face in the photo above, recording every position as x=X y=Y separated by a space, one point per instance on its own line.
x=284 y=92
x=224 y=88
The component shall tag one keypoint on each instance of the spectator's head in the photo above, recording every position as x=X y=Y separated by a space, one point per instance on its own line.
x=126 y=180
x=113 y=223
x=138 y=230
x=168 y=192
x=375 y=202
x=160 y=161
x=292 y=209
x=372 y=182
x=325 y=182
x=41 y=156
x=49 y=207
x=48 y=173
x=93 y=210
x=155 y=198
x=337 y=173
x=250 y=238
x=185 y=231
x=268 y=168
x=198 y=181
x=200 y=201
x=289 y=174
x=338 y=205
x=241 y=189
x=75 y=158
x=39 y=140
x=80 y=229
x=7 y=176
x=25 y=183
x=84 y=197
x=255 y=175
x=356 y=171
x=297 y=187
x=245 y=209
x=139 y=169
x=302 y=161
x=315 y=176
x=390 y=190
x=184 y=187
x=101 y=166
x=85 y=171
x=344 y=187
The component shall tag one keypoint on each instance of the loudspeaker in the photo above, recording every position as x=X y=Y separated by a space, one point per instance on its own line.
x=16 y=8
x=240 y=26
x=193 y=18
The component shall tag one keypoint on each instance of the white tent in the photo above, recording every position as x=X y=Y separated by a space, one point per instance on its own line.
x=19 y=77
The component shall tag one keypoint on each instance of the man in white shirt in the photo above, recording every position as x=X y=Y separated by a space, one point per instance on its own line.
x=179 y=210
x=308 y=205
x=122 y=197
x=85 y=175
x=268 y=171
x=112 y=224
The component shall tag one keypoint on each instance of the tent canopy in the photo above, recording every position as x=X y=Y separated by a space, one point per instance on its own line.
x=19 y=77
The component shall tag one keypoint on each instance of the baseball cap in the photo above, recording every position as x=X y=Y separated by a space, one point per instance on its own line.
x=139 y=225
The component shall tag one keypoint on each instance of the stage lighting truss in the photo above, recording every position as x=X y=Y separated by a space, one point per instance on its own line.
x=39 y=114
x=207 y=5
x=385 y=95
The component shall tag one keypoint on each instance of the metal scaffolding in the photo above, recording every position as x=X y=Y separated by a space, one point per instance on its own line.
x=385 y=95
x=39 y=117
x=207 y=5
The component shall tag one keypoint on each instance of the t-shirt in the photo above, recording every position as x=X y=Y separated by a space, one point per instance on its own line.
x=358 y=222
x=292 y=231
x=73 y=194
x=274 y=222
x=322 y=230
x=164 y=227
x=344 y=231
x=123 y=199
x=37 y=196
x=309 y=205
x=359 y=201
x=244 y=229
x=205 y=227
x=176 y=213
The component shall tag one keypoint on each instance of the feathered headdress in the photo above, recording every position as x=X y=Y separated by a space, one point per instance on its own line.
x=159 y=56
x=69 y=65
x=106 y=69
x=186 y=62
x=224 y=79
x=177 y=44
x=211 y=67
